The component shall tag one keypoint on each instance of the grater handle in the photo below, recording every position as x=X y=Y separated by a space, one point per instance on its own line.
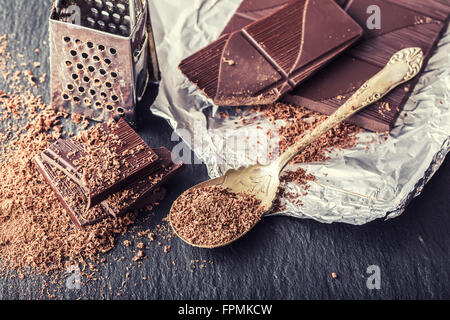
x=58 y=6
x=153 y=64
x=132 y=13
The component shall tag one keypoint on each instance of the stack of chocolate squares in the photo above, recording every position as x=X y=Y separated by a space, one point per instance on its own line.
x=315 y=54
x=106 y=171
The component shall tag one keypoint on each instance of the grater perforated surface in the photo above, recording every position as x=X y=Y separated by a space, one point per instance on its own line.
x=99 y=62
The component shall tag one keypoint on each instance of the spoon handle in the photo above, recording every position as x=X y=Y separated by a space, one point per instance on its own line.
x=402 y=67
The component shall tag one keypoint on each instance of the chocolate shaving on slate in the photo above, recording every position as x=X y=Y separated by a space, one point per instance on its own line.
x=405 y=23
x=267 y=58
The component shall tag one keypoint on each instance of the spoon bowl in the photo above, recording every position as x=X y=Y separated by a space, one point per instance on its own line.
x=262 y=182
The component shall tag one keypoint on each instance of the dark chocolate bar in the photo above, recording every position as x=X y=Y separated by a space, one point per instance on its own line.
x=144 y=192
x=269 y=57
x=250 y=11
x=120 y=158
x=404 y=23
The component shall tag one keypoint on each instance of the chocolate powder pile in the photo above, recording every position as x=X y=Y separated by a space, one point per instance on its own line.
x=36 y=234
x=35 y=231
x=211 y=216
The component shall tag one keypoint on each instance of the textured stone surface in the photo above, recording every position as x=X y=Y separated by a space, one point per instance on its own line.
x=282 y=258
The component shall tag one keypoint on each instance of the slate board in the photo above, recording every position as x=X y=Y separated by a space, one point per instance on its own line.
x=283 y=258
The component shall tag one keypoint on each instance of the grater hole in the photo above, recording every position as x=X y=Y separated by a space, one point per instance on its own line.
x=91 y=69
x=90 y=45
x=91 y=21
x=116 y=17
x=101 y=47
x=108 y=84
x=101 y=24
x=113 y=74
x=112 y=27
x=120 y=111
x=109 y=107
x=87 y=101
x=78 y=42
x=113 y=51
x=76 y=99
x=96 y=58
x=92 y=92
x=105 y=15
x=97 y=82
x=115 y=98
x=68 y=63
x=99 y=3
x=65 y=96
x=94 y=12
x=81 y=89
x=73 y=53
x=123 y=29
x=85 y=55
x=102 y=72
x=86 y=79
x=66 y=39
x=98 y=104
x=70 y=87
x=121 y=7
x=74 y=76
x=103 y=94
x=107 y=61
x=109 y=5
x=80 y=66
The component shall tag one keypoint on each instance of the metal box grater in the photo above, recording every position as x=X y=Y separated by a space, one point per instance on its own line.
x=102 y=56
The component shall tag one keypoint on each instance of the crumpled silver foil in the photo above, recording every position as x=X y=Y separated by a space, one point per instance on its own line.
x=356 y=186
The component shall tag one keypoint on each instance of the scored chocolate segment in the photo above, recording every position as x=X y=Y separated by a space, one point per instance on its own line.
x=71 y=195
x=260 y=62
x=106 y=162
x=403 y=24
x=137 y=196
x=250 y=11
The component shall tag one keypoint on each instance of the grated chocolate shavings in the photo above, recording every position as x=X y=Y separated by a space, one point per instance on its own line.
x=211 y=216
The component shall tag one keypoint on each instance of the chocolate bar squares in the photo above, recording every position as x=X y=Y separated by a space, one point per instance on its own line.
x=140 y=180
x=403 y=23
x=103 y=160
x=262 y=61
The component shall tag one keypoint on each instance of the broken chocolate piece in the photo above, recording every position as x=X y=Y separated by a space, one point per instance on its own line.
x=104 y=160
x=141 y=194
x=144 y=192
x=404 y=23
x=262 y=61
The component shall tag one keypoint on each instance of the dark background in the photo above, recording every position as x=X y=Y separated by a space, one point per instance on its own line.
x=283 y=258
